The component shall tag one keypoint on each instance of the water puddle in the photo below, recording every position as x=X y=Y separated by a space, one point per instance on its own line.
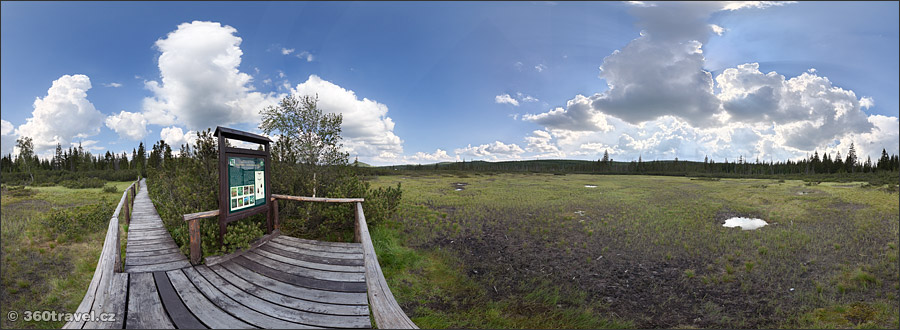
x=744 y=223
x=590 y=186
x=459 y=186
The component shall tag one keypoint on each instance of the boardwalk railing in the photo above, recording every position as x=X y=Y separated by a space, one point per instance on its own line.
x=107 y=291
x=386 y=311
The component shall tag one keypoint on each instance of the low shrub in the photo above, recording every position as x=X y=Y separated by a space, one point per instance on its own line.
x=83 y=183
x=110 y=189
x=71 y=224
x=19 y=191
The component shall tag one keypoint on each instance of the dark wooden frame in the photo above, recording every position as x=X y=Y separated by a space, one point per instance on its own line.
x=224 y=152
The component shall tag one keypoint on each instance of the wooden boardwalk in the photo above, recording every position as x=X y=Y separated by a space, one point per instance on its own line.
x=279 y=282
x=284 y=283
x=150 y=247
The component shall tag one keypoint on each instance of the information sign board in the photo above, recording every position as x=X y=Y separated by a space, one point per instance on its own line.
x=246 y=183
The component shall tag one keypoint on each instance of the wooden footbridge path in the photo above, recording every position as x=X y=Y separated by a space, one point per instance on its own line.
x=279 y=282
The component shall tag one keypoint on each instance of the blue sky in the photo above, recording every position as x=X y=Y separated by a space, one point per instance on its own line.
x=428 y=82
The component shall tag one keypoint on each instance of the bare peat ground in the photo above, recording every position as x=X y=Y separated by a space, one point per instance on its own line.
x=651 y=251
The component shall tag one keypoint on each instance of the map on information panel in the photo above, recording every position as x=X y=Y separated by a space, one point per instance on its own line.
x=246 y=182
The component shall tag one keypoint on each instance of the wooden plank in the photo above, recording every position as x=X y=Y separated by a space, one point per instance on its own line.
x=112 y=302
x=274 y=247
x=159 y=241
x=151 y=253
x=233 y=307
x=347 y=298
x=262 y=291
x=142 y=236
x=279 y=311
x=145 y=310
x=305 y=282
x=159 y=231
x=151 y=260
x=215 y=260
x=201 y=215
x=322 y=254
x=317 y=199
x=273 y=252
x=205 y=311
x=146 y=248
x=156 y=267
x=179 y=313
x=325 y=243
x=283 y=266
x=386 y=311
x=313 y=245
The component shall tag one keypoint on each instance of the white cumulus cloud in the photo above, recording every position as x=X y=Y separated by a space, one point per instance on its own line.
x=366 y=129
x=129 y=125
x=661 y=103
x=63 y=115
x=505 y=98
x=201 y=85
x=285 y=51
x=494 y=151
x=113 y=85
x=7 y=138
x=175 y=136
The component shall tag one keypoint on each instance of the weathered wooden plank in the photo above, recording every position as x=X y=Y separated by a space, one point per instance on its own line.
x=357 y=246
x=146 y=248
x=157 y=267
x=233 y=307
x=145 y=232
x=386 y=311
x=301 y=255
x=178 y=312
x=204 y=309
x=315 y=253
x=145 y=310
x=300 y=280
x=133 y=233
x=159 y=241
x=262 y=291
x=317 y=199
x=215 y=260
x=285 y=256
x=111 y=301
x=279 y=311
x=157 y=259
x=347 y=298
x=151 y=253
x=201 y=215
x=141 y=236
x=283 y=266
x=290 y=241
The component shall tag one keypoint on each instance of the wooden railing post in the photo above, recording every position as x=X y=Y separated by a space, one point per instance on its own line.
x=276 y=222
x=194 y=231
x=193 y=221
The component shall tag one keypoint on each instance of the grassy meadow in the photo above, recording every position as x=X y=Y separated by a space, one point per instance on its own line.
x=51 y=237
x=544 y=251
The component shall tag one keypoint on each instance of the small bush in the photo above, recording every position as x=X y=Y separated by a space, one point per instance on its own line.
x=240 y=234
x=20 y=191
x=73 y=223
x=110 y=189
x=83 y=183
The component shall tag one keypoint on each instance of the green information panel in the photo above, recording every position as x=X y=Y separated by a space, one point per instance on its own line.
x=246 y=182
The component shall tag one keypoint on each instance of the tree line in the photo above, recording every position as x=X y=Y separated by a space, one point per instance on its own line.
x=824 y=167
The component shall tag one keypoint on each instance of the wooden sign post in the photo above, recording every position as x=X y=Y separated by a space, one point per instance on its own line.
x=244 y=188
